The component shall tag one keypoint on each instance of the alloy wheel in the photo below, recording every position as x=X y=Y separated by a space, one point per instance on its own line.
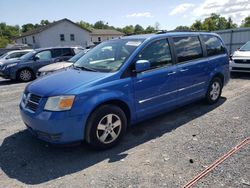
x=109 y=128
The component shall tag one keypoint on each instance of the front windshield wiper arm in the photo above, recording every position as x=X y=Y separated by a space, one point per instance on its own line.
x=84 y=68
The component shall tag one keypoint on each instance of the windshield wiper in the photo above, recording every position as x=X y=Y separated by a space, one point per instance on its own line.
x=84 y=68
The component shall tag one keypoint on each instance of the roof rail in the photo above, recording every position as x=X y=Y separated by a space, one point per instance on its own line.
x=161 y=31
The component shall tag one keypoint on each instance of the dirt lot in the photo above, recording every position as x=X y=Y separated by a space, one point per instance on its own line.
x=167 y=151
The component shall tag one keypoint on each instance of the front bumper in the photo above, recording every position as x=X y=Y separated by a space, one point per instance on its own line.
x=239 y=67
x=5 y=74
x=54 y=127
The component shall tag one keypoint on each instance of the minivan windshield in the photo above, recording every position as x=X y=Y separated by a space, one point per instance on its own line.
x=245 y=47
x=77 y=56
x=28 y=55
x=108 y=56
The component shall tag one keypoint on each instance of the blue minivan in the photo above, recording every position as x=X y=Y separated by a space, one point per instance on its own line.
x=122 y=82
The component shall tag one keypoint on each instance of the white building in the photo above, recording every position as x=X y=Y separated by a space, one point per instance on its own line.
x=100 y=35
x=60 y=33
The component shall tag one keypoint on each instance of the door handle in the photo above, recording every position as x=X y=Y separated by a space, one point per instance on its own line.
x=184 y=70
x=171 y=73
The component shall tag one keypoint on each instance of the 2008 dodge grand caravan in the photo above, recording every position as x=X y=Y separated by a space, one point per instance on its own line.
x=123 y=81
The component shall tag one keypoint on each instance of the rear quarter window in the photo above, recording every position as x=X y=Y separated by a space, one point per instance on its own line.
x=187 y=48
x=214 y=45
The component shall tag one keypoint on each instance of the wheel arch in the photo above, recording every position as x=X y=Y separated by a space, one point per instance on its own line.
x=219 y=75
x=117 y=102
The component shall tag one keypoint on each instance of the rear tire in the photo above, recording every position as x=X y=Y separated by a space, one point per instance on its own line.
x=25 y=75
x=214 y=91
x=105 y=127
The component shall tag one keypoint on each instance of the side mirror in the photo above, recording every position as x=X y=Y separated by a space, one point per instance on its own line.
x=142 y=65
x=36 y=58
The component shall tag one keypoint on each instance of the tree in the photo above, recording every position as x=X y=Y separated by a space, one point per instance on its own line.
x=101 y=25
x=44 y=22
x=197 y=26
x=27 y=27
x=7 y=33
x=128 y=29
x=3 y=41
x=138 y=29
x=230 y=24
x=246 y=22
x=85 y=25
x=182 y=28
x=217 y=22
x=150 y=29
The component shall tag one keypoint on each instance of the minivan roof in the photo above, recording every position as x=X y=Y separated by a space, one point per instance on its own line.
x=166 y=34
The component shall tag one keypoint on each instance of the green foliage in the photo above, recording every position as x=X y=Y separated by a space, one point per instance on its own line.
x=101 y=25
x=230 y=24
x=150 y=29
x=4 y=41
x=128 y=30
x=246 y=22
x=44 y=22
x=7 y=33
x=197 y=26
x=85 y=25
x=138 y=29
x=27 y=27
x=212 y=23
x=182 y=28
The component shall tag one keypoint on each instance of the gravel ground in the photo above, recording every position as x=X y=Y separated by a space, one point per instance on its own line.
x=167 y=151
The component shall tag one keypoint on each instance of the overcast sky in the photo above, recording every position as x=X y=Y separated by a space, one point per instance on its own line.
x=120 y=13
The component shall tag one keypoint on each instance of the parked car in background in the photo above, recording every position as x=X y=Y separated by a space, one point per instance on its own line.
x=25 y=68
x=61 y=65
x=124 y=81
x=13 y=54
x=240 y=60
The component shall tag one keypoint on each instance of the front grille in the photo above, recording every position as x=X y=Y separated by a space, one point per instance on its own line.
x=240 y=69
x=31 y=101
x=242 y=61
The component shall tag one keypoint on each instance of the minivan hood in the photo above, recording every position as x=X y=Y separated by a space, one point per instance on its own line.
x=55 y=66
x=241 y=54
x=62 y=82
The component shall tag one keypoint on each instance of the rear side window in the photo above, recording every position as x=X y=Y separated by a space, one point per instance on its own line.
x=157 y=53
x=213 y=44
x=57 y=52
x=67 y=52
x=187 y=48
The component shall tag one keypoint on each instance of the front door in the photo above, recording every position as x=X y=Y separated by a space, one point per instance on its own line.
x=42 y=58
x=155 y=89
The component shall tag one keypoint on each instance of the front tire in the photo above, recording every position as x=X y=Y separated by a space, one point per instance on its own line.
x=214 y=91
x=106 y=126
x=25 y=75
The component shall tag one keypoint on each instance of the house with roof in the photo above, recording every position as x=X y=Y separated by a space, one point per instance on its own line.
x=65 y=33
x=60 y=33
x=100 y=35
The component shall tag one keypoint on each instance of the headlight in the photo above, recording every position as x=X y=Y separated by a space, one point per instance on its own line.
x=59 y=103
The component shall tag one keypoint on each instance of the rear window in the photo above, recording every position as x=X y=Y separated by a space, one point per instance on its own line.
x=187 y=48
x=213 y=44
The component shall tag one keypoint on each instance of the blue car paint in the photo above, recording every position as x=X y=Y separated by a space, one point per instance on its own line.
x=145 y=95
x=29 y=63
